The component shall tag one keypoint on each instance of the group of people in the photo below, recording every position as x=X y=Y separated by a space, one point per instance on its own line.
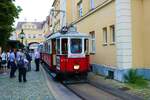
x=20 y=60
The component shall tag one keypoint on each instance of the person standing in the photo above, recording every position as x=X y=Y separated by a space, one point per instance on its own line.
x=22 y=66
x=37 y=59
x=12 y=64
x=8 y=61
x=4 y=60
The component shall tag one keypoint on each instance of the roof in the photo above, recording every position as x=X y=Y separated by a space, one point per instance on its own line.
x=39 y=25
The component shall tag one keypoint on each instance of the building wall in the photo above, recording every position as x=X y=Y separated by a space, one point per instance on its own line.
x=107 y=54
x=30 y=33
x=146 y=5
x=141 y=30
x=137 y=30
x=103 y=17
x=68 y=12
x=56 y=16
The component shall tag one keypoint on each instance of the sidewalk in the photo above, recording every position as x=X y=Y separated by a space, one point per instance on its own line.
x=34 y=89
x=119 y=88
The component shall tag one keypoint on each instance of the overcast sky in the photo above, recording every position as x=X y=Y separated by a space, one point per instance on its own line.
x=33 y=9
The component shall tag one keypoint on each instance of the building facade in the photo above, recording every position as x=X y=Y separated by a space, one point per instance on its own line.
x=119 y=31
x=34 y=32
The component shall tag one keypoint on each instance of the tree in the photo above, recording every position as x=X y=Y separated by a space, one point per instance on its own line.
x=8 y=13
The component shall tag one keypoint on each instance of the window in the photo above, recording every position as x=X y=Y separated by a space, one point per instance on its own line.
x=34 y=36
x=76 y=46
x=105 y=35
x=91 y=4
x=49 y=46
x=93 y=46
x=29 y=35
x=40 y=35
x=112 y=33
x=58 y=46
x=46 y=47
x=80 y=9
x=64 y=46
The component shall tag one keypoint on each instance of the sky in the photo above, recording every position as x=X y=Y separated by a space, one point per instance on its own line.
x=33 y=10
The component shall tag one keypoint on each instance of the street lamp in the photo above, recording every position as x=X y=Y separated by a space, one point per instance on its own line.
x=22 y=35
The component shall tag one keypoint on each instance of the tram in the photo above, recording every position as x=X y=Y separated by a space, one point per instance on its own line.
x=66 y=52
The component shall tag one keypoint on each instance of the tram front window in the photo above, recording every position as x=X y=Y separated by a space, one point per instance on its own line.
x=76 y=46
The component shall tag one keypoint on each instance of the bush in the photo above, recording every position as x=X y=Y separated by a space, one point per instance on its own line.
x=134 y=79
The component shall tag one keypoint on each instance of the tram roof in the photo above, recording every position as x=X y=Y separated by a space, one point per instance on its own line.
x=68 y=34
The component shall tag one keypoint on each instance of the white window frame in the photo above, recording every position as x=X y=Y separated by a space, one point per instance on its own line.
x=80 y=9
x=93 y=42
x=112 y=34
x=105 y=35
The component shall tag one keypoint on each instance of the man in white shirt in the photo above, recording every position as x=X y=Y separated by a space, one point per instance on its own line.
x=37 y=59
x=12 y=64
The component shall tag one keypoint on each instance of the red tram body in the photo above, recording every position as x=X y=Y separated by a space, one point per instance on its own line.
x=66 y=53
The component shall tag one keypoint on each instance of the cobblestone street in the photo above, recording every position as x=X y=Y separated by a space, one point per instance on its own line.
x=34 y=89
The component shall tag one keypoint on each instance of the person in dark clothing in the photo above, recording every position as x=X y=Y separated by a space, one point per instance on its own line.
x=21 y=63
x=8 y=61
x=37 y=60
x=12 y=64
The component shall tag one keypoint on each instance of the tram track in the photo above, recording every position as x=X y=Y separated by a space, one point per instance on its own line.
x=74 y=88
x=92 y=91
x=87 y=91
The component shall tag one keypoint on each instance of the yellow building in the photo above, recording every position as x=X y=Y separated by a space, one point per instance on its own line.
x=34 y=32
x=119 y=31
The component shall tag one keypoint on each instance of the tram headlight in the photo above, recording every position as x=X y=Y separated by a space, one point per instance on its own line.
x=76 y=67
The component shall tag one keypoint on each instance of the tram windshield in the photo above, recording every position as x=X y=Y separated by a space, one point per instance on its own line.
x=76 y=46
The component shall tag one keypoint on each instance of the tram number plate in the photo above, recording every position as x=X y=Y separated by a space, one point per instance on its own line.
x=76 y=67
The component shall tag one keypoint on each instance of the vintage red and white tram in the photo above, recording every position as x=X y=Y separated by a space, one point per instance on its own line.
x=67 y=52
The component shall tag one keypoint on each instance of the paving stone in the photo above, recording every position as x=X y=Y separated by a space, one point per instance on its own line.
x=34 y=89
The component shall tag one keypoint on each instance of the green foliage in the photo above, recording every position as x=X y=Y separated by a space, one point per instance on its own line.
x=8 y=13
x=135 y=80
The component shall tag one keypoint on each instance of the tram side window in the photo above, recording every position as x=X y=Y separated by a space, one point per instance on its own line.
x=64 y=46
x=58 y=46
x=86 y=46
x=46 y=47
x=76 y=45
x=49 y=48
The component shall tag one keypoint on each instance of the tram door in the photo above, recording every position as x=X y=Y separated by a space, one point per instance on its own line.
x=61 y=52
x=64 y=46
x=54 y=52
